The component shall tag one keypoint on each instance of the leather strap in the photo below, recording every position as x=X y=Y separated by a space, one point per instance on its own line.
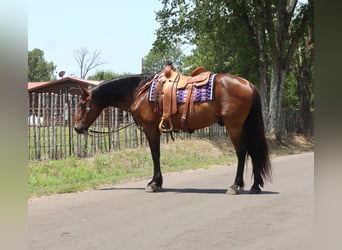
x=186 y=106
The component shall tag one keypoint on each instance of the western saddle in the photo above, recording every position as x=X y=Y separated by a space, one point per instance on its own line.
x=169 y=81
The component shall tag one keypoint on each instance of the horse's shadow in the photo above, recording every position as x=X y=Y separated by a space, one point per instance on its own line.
x=189 y=190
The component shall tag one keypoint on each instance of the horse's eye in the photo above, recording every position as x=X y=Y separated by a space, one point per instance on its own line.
x=83 y=106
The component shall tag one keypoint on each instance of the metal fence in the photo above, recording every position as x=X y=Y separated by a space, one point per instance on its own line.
x=51 y=134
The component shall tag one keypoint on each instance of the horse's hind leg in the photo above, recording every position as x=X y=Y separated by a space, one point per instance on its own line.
x=238 y=182
x=239 y=143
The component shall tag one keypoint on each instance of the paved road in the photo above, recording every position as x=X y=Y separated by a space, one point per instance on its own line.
x=193 y=212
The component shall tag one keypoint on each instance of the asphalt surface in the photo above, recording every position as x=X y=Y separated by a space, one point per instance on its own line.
x=192 y=212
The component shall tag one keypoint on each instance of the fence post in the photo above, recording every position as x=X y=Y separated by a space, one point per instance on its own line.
x=44 y=123
x=60 y=125
x=29 y=129
x=109 y=127
x=34 y=125
x=54 y=125
x=39 y=126
x=117 y=125
x=69 y=101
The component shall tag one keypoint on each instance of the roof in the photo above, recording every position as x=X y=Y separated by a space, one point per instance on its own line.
x=37 y=85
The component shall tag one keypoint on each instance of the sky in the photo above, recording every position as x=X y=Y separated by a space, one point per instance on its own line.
x=122 y=30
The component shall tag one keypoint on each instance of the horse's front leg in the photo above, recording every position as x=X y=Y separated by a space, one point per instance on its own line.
x=156 y=183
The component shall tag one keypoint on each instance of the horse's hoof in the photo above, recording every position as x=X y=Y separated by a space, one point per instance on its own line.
x=232 y=191
x=152 y=188
x=255 y=190
x=149 y=189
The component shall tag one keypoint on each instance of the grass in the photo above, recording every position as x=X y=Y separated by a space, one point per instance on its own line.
x=73 y=174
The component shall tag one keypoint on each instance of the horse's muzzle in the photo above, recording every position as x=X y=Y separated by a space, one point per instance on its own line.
x=80 y=130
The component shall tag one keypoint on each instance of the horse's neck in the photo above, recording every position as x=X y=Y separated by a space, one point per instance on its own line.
x=118 y=96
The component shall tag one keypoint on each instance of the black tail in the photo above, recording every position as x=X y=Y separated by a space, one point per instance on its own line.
x=256 y=141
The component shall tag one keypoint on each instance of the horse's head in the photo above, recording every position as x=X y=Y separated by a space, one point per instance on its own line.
x=87 y=111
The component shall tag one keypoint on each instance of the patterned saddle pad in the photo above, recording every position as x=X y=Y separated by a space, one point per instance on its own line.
x=201 y=94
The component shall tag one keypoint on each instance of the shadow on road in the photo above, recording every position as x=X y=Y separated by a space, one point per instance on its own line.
x=208 y=191
x=189 y=190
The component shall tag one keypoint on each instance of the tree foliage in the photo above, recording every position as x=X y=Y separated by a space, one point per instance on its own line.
x=256 y=39
x=284 y=36
x=156 y=58
x=220 y=41
x=39 y=70
x=106 y=75
x=303 y=69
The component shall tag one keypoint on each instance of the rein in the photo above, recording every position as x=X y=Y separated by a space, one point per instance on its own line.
x=103 y=132
x=114 y=130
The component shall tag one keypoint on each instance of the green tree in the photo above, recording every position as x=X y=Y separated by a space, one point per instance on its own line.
x=39 y=70
x=290 y=95
x=157 y=57
x=303 y=68
x=256 y=39
x=221 y=43
x=284 y=36
x=106 y=75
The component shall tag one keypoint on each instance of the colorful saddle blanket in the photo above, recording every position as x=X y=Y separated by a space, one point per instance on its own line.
x=201 y=93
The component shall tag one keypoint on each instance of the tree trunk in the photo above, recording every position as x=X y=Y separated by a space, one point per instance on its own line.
x=263 y=90
x=304 y=95
x=303 y=82
x=274 y=125
x=262 y=71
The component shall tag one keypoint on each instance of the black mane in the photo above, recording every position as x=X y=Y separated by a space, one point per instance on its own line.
x=113 y=90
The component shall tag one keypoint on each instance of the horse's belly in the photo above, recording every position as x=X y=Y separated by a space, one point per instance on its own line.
x=203 y=115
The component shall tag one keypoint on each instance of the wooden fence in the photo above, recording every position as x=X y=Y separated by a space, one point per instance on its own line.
x=51 y=134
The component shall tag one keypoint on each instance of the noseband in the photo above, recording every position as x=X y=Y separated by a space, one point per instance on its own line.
x=85 y=115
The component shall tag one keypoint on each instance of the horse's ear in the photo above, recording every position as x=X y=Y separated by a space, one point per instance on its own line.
x=85 y=92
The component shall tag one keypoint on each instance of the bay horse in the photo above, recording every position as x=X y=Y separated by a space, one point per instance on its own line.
x=236 y=105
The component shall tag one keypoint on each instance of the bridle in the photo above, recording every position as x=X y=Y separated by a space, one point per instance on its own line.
x=87 y=110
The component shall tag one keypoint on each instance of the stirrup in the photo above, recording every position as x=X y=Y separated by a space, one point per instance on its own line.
x=163 y=128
